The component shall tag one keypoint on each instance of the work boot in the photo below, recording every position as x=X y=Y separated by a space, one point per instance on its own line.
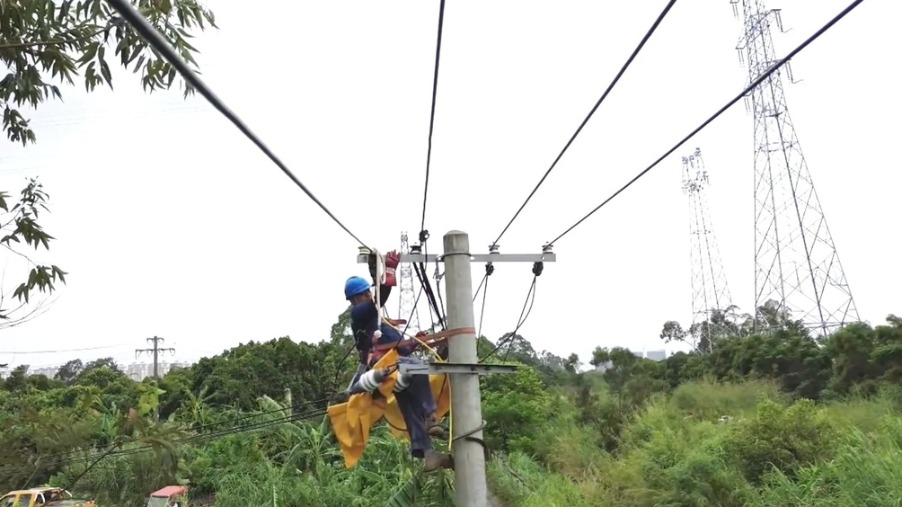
x=434 y=429
x=435 y=460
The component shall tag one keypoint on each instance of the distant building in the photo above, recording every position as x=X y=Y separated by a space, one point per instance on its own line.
x=47 y=371
x=656 y=355
x=140 y=371
x=135 y=371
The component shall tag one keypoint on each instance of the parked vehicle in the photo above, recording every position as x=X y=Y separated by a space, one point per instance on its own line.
x=46 y=497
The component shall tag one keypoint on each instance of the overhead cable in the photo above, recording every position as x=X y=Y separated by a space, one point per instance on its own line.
x=438 y=51
x=764 y=75
x=524 y=313
x=53 y=351
x=108 y=451
x=153 y=37
x=579 y=129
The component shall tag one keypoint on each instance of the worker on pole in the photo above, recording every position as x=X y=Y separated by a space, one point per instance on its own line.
x=414 y=395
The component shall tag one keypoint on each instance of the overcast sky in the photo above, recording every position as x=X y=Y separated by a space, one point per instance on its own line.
x=171 y=223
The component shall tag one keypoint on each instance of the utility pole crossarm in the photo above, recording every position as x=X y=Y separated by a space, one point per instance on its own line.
x=546 y=256
x=156 y=353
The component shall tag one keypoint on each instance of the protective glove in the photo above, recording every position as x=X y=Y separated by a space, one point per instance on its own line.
x=391 y=263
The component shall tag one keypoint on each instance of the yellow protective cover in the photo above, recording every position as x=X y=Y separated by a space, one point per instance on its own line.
x=352 y=420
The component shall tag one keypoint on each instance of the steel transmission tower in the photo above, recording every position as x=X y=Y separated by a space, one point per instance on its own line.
x=710 y=291
x=796 y=264
x=407 y=301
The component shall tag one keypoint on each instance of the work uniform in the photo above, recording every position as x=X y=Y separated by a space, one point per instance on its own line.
x=416 y=403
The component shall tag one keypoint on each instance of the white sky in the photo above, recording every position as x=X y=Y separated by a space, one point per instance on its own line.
x=171 y=223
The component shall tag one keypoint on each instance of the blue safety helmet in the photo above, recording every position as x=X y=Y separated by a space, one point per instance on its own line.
x=354 y=286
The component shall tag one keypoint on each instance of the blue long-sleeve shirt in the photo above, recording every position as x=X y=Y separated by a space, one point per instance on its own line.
x=365 y=319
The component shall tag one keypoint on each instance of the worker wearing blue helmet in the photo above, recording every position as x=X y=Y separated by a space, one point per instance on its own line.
x=365 y=320
x=416 y=402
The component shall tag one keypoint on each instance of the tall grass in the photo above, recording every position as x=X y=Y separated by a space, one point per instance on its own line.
x=679 y=450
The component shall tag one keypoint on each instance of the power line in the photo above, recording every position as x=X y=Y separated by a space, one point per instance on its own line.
x=438 y=50
x=579 y=129
x=524 y=313
x=58 y=351
x=106 y=451
x=537 y=268
x=153 y=37
x=729 y=104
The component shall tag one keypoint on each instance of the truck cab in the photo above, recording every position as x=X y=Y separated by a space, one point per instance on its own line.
x=170 y=496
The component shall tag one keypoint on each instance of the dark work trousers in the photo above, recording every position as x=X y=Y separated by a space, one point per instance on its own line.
x=417 y=404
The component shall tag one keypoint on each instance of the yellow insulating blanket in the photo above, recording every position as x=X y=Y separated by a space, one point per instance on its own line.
x=352 y=420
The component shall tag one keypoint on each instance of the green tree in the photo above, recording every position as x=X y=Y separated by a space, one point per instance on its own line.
x=19 y=227
x=45 y=44
x=69 y=371
x=516 y=408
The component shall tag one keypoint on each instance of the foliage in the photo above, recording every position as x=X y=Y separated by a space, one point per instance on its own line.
x=19 y=226
x=44 y=44
x=774 y=419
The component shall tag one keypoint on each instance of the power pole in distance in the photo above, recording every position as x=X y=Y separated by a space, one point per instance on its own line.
x=156 y=352
x=470 y=489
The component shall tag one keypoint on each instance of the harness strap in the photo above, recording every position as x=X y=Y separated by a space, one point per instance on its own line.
x=441 y=335
x=379 y=278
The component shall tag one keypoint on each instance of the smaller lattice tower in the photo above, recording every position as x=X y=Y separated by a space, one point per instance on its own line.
x=407 y=301
x=710 y=292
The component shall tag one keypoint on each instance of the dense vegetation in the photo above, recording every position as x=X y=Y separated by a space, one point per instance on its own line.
x=770 y=419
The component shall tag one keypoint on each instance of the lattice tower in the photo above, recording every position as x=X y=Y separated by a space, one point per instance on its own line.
x=796 y=263
x=407 y=300
x=710 y=291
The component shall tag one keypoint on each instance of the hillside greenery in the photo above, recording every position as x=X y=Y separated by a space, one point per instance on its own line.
x=764 y=419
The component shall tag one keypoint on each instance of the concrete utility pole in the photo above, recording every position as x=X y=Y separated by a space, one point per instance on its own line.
x=156 y=353
x=470 y=488
x=469 y=456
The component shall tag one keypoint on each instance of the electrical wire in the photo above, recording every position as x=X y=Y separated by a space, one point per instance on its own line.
x=438 y=51
x=481 y=282
x=524 y=314
x=482 y=307
x=57 y=457
x=107 y=451
x=60 y=351
x=156 y=40
x=438 y=289
x=410 y=317
x=770 y=70
x=579 y=129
